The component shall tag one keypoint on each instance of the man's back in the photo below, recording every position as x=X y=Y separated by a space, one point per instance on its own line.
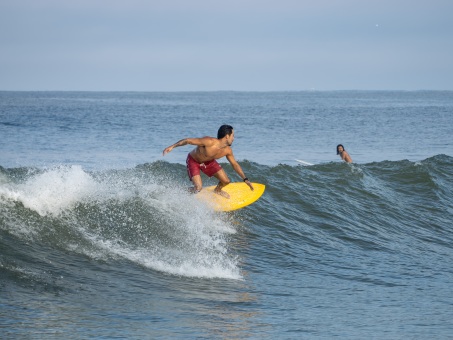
x=210 y=148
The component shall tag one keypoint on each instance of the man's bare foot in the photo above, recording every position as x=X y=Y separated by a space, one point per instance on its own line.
x=222 y=193
x=193 y=190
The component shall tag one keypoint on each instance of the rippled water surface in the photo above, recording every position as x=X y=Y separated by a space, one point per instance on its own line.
x=99 y=237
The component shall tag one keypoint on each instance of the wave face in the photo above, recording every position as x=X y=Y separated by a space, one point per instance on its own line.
x=146 y=214
x=363 y=235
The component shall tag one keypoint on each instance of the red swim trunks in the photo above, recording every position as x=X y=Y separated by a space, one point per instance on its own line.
x=209 y=168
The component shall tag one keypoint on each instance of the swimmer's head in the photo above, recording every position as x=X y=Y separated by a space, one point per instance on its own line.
x=338 y=147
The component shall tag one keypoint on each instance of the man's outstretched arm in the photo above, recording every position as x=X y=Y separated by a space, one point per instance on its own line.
x=205 y=141
x=171 y=147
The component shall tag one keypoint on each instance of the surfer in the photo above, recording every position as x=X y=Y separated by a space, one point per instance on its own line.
x=204 y=157
x=343 y=154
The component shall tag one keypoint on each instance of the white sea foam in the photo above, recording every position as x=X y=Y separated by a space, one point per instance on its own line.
x=194 y=244
x=55 y=190
x=125 y=215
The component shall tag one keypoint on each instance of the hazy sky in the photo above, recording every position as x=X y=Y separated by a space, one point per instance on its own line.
x=250 y=45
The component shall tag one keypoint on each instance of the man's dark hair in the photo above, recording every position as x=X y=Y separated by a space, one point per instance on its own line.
x=339 y=146
x=224 y=130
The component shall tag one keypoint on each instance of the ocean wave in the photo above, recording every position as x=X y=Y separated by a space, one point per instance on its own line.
x=145 y=214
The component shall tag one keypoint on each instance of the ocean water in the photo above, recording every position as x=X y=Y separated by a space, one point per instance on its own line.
x=99 y=237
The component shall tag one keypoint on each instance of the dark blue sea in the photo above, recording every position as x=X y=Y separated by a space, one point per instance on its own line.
x=99 y=237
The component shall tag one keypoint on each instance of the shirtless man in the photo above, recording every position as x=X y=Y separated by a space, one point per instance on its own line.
x=343 y=154
x=204 y=156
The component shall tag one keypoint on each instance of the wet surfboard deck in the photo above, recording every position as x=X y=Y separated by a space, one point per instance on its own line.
x=240 y=196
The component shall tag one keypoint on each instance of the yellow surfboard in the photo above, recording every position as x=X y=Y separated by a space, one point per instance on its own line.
x=240 y=196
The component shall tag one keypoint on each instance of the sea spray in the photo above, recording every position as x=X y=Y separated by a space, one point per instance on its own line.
x=122 y=214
